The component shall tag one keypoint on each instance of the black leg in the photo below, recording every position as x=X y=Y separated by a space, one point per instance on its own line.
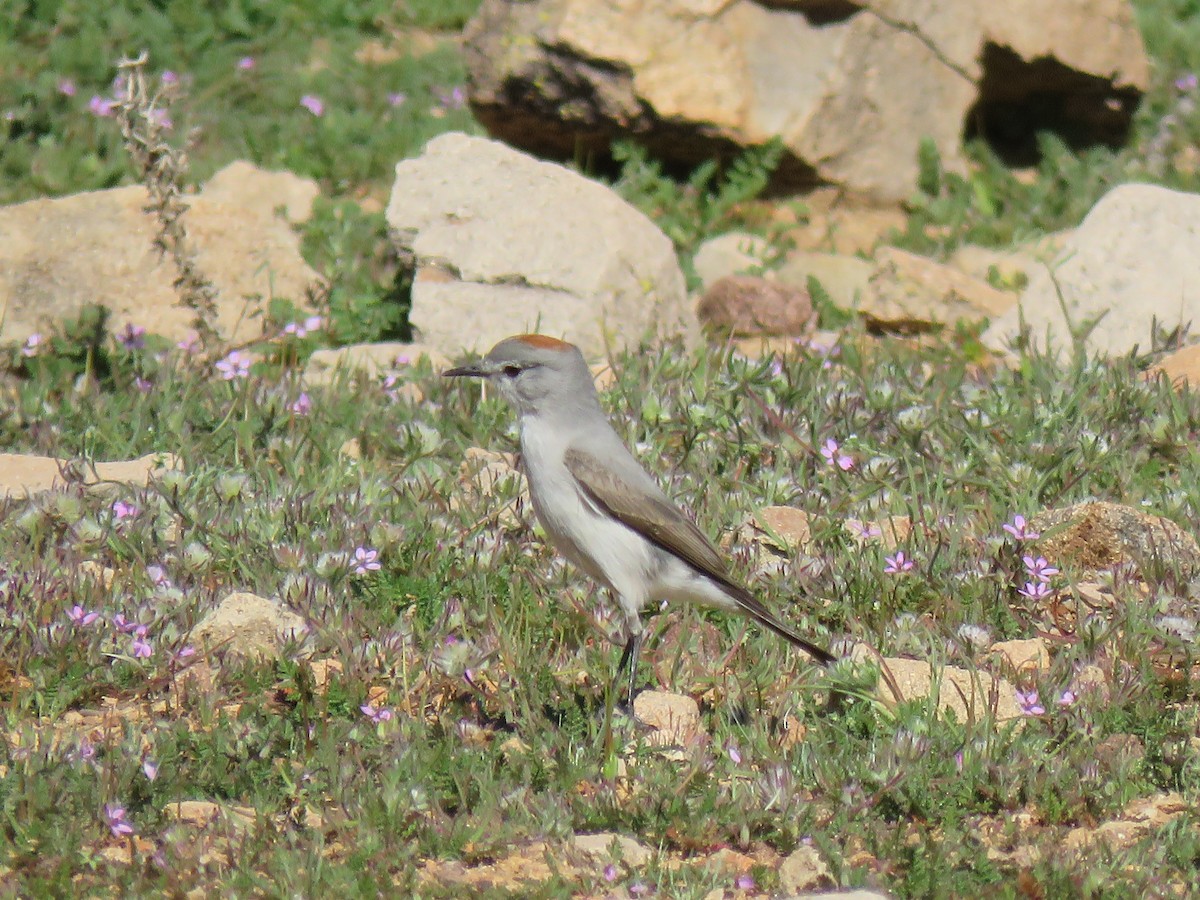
x=629 y=656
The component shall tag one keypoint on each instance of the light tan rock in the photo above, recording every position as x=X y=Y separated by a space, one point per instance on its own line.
x=749 y=304
x=1115 y=282
x=201 y=813
x=483 y=477
x=25 y=474
x=732 y=253
x=504 y=243
x=971 y=695
x=911 y=293
x=1094 y=536
x=1181 y=368
x=783 y=527
x=607 y=846
x=1022 y=656
x=674 y=717
x=850 y=90
x=244 y=625
x=846 y=279
x=375 y=360
x=803 y=870
x=1140 y=818
x=56 y=255
x=243 y=184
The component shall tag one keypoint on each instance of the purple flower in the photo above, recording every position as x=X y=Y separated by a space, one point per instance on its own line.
x=366 y=560
x=455 y=98
x=144 y=385
x=141 y=647
x=1185 y=84
x=831 y=450
x=1066 y=698
x=190 y=343
x=958 y=761
x=101 y=106
x=734 y=754
x=185 y=652
x=610 y=873
x=401 y=359
x=1029 y=703
x=1017 y=528
x=246 y=63
x=302 y=329
x=744 y=882
x=235 y=365
x=302 y=405
x=66 y=87
x=123 y=510
x=313 y=104
x=158 y=576
x=376 y=714
x=390 y=383
x=1039 y=568
x=114 y=816
x=124 y=625
x=864 y=530
x=32 y=345
x=133 y=337
x=162 y=119
x=397 y=98
x=150 y=768
x=169 y=77
x=897 y=564
x=80 y=617
x=85 y=752
x=1035 y=590
x=638 y=888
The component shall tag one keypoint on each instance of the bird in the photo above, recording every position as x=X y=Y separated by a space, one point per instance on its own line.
x=600 y=508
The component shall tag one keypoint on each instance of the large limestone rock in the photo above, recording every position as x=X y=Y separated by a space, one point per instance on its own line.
x=60 y=254
x=1131 y=262
x=850 y=88
x=504 y=243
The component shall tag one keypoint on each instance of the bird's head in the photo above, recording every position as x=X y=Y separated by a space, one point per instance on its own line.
x=538 y=375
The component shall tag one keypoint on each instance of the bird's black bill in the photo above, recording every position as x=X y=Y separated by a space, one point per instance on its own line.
x=472 y=371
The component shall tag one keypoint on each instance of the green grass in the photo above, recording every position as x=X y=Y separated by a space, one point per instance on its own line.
x=492 y=659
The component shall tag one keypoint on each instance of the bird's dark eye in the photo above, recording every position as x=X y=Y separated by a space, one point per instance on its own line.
x=511 y=371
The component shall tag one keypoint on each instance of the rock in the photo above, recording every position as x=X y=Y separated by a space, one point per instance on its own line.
x=24 y=474
x=733 y=253
x=375 y=360
x=1095 y=536
x=245 y=625
x=971 y=695
x=674 y=717
x=748 y=304
x=504 y=243
x=607 y=846
x=1015 y=266
x=201 y=813
x=909 y=293
x=850 y=90
x=1181 y=368
x=1141 y=817
x=243 y=184
x=1123 y=278
x=57 y=255
x=844 y=278
x=839 y=224
x=803 y=870
x=1022 y=656
x=891 y=532
x=782 y=528
x=483 y=477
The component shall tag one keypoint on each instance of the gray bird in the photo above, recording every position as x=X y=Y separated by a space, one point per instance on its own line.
x=598 y=505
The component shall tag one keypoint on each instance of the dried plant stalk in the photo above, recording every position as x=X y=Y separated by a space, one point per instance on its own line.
x=163 y=169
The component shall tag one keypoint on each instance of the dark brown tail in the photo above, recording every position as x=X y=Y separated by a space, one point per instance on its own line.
x=753 y=608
